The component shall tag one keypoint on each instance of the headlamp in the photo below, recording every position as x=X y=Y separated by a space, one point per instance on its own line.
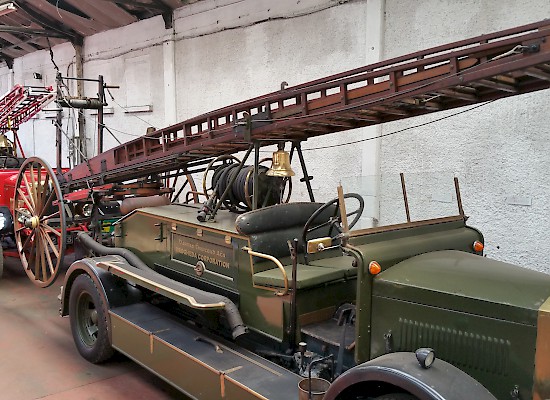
x=425 y=357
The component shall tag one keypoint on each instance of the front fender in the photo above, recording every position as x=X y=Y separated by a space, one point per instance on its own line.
x=116 y=291
x=442 y=381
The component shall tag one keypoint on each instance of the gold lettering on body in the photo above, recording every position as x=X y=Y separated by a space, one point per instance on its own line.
x=185 y=246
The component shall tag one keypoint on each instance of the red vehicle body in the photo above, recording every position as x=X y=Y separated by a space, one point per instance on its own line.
x=9 y=168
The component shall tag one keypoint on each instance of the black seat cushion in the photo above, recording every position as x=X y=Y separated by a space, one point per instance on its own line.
x=270 y=228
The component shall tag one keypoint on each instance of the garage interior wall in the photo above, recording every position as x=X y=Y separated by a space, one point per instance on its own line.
x=498 y=151
x=223 y=51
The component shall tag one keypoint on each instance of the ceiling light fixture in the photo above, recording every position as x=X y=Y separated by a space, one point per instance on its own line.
x=7 y=8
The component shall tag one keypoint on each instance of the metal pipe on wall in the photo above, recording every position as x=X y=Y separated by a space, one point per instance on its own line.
x=82 y=155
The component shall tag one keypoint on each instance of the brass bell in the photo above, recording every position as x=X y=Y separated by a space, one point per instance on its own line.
x=280 y=165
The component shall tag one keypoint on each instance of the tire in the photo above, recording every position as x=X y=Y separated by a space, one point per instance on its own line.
x=88 y=317
x=396 y=396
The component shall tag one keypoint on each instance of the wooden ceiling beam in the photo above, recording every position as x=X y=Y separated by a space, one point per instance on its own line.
x=13 y=53
x=31 y=31
x=53 y=27
x=110 y=14
x=83 y=26
x=139 y=4
x=16 y=42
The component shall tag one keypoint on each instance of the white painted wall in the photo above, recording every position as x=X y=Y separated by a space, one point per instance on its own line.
x=499 y=151
x=224 y=51
x=133 y=58
x=217 y=69
x=37 y=136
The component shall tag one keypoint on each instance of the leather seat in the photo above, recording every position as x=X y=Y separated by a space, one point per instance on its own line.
x=269 y=229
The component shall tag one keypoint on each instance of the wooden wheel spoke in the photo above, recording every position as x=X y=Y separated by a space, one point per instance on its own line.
x=45 y=187
x=43 y=260
x=47 y=204
x=27 y=242
x=50 y=243
x=46 y=217
x=33 y=182
x=27 y=203
x=37 y=253
x=29 y=188
x=50 y=229
x=48 y=256
x=30 y=261
x=39 y=187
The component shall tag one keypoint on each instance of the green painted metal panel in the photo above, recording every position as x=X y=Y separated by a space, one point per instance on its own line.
x=392 y=247
x=307 y=276
x=469 y=283
x=498 y=353
x=225 y=221
x=140 y=234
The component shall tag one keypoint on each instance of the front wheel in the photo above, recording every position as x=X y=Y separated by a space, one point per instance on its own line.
x=39 y=221
x=89 y=325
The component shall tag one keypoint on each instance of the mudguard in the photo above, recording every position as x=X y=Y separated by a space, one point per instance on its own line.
x=117 y=291
x=442 y=381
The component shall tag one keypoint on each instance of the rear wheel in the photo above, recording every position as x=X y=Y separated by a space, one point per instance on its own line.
x=89 y=325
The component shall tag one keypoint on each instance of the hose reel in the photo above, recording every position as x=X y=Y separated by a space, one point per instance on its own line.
x=224 y=169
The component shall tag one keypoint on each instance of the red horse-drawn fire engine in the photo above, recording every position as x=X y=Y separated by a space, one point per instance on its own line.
x=16 y=107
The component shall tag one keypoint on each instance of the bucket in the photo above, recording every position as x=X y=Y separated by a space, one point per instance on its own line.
x=317 y=386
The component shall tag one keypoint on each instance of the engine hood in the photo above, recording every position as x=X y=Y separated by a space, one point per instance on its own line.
x=468 y=283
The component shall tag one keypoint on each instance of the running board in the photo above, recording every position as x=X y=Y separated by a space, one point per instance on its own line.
x=197 y=365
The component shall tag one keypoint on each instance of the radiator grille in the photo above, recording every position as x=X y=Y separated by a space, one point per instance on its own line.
x=461 y=348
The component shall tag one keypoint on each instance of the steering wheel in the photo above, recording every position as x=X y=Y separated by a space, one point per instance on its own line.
x=335 y=220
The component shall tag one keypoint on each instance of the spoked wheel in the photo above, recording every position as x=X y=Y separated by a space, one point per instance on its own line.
x=39 y=221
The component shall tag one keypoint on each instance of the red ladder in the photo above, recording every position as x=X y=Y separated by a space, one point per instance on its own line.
x=21 y=104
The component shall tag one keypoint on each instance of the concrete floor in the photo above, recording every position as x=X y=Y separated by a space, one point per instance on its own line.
x=38 y=359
